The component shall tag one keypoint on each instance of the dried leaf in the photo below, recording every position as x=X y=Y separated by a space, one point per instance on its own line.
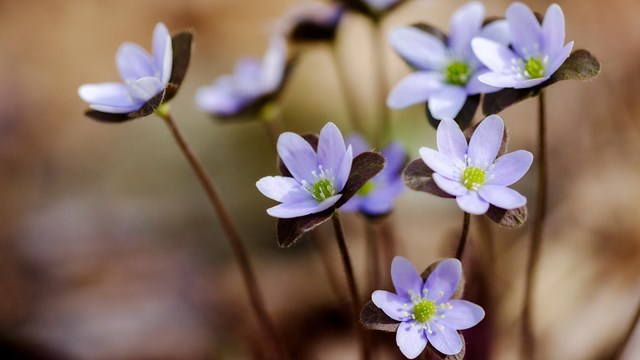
x=365 y=166
x=418 y=176
x=510 y=219
x=375 y=319
x=290 y=230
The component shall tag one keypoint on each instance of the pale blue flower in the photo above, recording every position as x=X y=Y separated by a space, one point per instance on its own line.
x=378 y=195
x=317 y=177
x=447 y=71
x=251 y=80
x=471 y=172
x=425 y=309
x=536 y=51
x=144 y=76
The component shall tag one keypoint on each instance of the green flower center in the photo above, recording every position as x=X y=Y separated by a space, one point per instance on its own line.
x=533 y=68
x=322 y=189
x=367 y=188
x=473 y=177
x=457 y=73
x=424 y=310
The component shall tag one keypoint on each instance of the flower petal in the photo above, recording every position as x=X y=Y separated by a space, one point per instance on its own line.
x=443 y=281
x=415 y=88
x=302 y=208
x=134 y=62
x=298 y=156
x=447 y=102
x=219 y=99
x=497 y=31
x=510 y=167
x=162 y=52
x=110 y=94
x=502 y=196
x=465 y=24
x=331 y=148
x=499 y=80
x=445 y=340
x=553 y=30
x=462 y=315
x=411 y=339
x=419 y=48
x=472 y=203
x=526 y=33
x=439 y=163
x=381 y=200
x=451 y=141
x=475 y=86
x=495 y=56
x=358 y=144
x=528 y=83
x=559 y=59
x=343 y=172
x=282 y=188
x=405 y=278
x=274 y=63
x=145 y=88
x=486 y=140
x=395 y=158
x=451 y=187
x=392 y=305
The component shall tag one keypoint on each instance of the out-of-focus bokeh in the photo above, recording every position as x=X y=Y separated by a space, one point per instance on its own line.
x=109 y=248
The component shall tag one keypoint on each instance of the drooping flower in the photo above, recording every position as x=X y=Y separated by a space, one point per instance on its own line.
x=310 y=21
x=149 y=80
x=377 y=196
x=447 y=71
x=253 y=83
x=426 y=310
x=317 y=177
x=535 y=53
x=471 y=172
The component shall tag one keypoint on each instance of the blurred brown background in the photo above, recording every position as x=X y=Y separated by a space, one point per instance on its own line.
x=109 y=249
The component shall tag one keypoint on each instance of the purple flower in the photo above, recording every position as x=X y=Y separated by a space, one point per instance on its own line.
x=318 y=177
x=471 y=172
x=377 y=196
x=425 y=308
x=144 y=76
x=251 y=81
x=536 y=51
x=310 y=21
x=447 y=70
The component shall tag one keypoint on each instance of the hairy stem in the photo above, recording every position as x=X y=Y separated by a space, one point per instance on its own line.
x=351 y=282
x=536 y=237
x=237 y=246
x=463 y=236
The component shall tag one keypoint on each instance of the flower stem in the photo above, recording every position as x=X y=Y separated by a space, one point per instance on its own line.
x=237 y=246
x=351 y=282
x=463 y=236
x=349 y=96
x=536 y=237
x=627 y=336
x=380 y=66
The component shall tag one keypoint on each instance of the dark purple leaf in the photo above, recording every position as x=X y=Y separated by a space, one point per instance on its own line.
x=418 y=176
x=365 y=166
x=510 y=219
x=290 y=230
x=375 y=319
x=464 y=117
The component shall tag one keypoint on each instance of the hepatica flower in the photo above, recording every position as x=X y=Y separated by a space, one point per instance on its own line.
x=536 y=51
x=471 y=172
x=447 y=71
x=426 y=310
x=253 y=83
x=148 y=80
x=377 y=196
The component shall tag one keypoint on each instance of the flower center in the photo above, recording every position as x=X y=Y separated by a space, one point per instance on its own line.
x=534 y=68
x=457 y=73
x=473 y=177
x=424 y=310
x=367 y=188
x=322 y=189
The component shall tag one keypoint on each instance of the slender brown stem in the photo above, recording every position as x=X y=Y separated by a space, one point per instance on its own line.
x=373 y=255
x=237 y=246
x=322 y=248
x=384 y=130
x=463 y=236
x=627 y=336
x=536 y=237
x=349 y=96
x=351 y=282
